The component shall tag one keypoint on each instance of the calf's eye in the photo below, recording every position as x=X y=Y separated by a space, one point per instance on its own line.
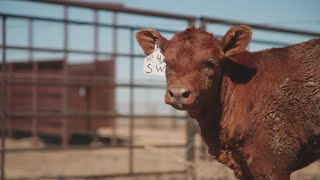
x=209 y=65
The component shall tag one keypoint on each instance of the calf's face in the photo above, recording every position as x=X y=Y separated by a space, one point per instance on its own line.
x=194 y=60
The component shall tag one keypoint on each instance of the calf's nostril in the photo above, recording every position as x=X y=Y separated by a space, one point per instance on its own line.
x=178 y=93
x=186 y=94
x=170 y=93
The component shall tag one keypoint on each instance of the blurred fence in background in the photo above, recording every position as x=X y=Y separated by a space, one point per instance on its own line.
x=70 y=99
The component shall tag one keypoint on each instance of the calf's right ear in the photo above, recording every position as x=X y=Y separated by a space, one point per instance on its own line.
x=236 y=40
x=147 y=38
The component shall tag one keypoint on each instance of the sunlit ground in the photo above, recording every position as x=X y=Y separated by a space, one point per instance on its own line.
x=115 y=160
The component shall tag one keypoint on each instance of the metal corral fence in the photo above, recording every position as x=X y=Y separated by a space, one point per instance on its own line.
x=37 y=84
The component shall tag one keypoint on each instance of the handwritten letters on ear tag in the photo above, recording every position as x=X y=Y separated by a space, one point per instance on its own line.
x=154 y=63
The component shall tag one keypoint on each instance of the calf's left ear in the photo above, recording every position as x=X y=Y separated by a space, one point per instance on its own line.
x=147 y=38
x=236 y=40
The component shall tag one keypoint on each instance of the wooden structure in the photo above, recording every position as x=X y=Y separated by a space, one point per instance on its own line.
x=36 y=91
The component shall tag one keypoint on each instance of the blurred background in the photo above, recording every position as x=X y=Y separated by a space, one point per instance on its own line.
x=75 y=103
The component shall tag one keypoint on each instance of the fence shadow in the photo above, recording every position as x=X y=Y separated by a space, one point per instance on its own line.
x=75 y=139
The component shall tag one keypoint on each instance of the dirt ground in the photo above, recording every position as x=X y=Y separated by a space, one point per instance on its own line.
x=106 y=161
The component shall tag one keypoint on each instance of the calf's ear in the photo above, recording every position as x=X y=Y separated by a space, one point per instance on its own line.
x=236 y=40
x=147 y=38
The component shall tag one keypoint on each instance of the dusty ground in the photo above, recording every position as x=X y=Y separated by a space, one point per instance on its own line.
x=37 y=165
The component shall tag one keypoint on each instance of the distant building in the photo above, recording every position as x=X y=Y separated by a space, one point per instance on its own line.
x=36 y=92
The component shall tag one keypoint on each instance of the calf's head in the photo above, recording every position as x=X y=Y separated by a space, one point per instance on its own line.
x=194 y=61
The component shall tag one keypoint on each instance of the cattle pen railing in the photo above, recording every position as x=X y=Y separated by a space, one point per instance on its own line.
x=66 y=80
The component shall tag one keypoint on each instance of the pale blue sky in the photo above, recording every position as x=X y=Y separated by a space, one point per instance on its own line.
x=298 y=14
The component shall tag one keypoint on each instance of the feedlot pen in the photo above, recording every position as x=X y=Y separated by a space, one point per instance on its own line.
x=84 y=110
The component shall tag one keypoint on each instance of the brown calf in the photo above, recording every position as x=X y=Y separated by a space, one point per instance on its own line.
x=259 y=112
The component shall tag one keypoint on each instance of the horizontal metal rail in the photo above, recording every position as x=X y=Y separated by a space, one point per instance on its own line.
x=46 y=77
x=86 y=147
x=135 y=174
x=258 y=26
x=77 y=51
x=93 y=114
x=104 y=84
x=77 y=22
x=268 y=42
x=59 y=50
x=25 y=79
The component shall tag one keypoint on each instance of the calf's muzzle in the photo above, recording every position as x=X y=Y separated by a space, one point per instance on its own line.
x=179 y=97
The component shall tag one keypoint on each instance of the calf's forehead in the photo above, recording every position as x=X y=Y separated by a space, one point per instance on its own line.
x=188 y=54
x=191 y=45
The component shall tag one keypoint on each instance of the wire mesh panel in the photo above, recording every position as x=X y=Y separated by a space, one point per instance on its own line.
x=74 y=91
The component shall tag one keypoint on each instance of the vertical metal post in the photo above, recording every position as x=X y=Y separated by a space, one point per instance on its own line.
x=30 y=39
x=190 y=149
x=114 y=34
x=35 y=86
x=65 y=134
x=203 y=24
x=9 y=70
x=131 y=129
x=114 y=54
x=94 y=89
x=96 y=35
x=190 y=145
x=3 y=99
x=174 y=122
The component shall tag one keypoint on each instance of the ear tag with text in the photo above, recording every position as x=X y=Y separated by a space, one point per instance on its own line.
x=154 y=63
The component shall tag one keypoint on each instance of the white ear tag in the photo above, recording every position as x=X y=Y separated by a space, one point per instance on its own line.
x=154 y=63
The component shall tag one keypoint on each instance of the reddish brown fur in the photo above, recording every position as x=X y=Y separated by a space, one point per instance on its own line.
x=259 y=112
